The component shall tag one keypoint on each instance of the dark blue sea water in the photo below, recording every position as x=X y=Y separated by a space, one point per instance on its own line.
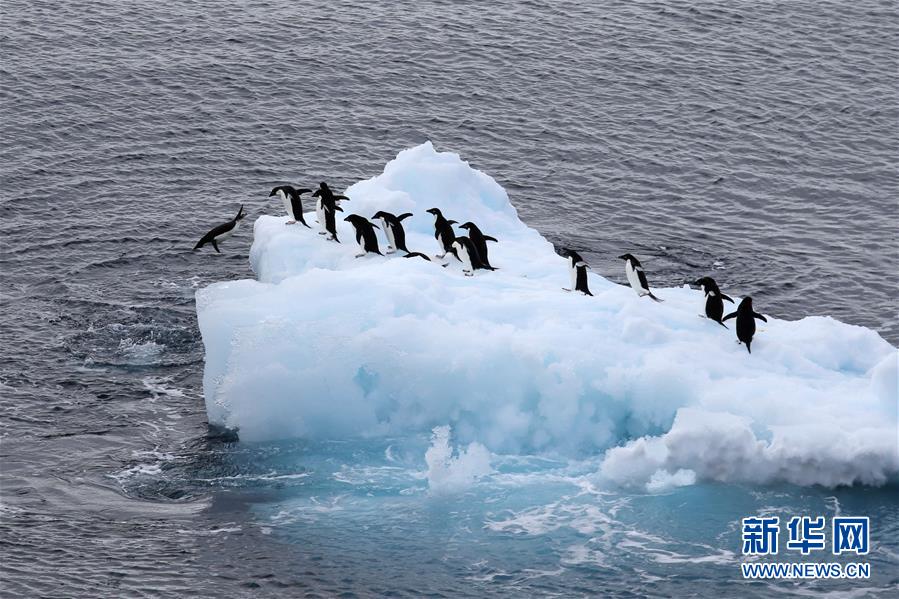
x=755 y=138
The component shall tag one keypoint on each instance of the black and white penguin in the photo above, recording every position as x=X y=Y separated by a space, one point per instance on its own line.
x=479 y=239
x=746 y=321
x=329 y=210
x=221 y=232
x=577 y=268
x=325 y=198
x=393 y=230
x=365 y=235
x=714 y=299
x=443 y=231
x=465 y=251
x=292 y=204
x=636 y=277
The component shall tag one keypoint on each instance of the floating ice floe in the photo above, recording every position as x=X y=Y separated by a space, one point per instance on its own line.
x=324 y=345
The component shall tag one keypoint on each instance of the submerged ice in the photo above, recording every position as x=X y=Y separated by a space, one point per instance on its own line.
x=327 y=346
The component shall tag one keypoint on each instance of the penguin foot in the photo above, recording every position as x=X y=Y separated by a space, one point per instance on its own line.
x=469 y=274
x=566 y=289
x=360 y=255
x=291 y=222
x=440 y=256
x=390 y=250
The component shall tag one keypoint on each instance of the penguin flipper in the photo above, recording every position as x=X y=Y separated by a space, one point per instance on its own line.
x=729 y=316
x=216 y=246
x=759 y=316
x=488 y=238
x=725 y=297
x=404 y=215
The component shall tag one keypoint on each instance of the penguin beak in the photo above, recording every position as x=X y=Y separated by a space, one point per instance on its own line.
x=272 y=193
x=622 y=257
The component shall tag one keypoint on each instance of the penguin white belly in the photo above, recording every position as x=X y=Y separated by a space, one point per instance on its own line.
x=287 y=207
x=320 y=213
x=228 y=233
x=573 y=272
x=388 y=232
x=440 y=243
x=634 y=279
x=466 y=260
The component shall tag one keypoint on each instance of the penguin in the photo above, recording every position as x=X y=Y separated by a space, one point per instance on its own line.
x=578 y=268
x=714 y=299
x=479 y=239
x=636 y=277
x=221 y=232
x=443 y=231
x=746 y=322
x=292 y=204
x=365 y=235
x=324 y=198
x=465 y=251
x=393 y=230
x=329 y=208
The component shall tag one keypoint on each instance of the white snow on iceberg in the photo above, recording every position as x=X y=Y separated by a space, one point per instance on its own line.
x=324 y=345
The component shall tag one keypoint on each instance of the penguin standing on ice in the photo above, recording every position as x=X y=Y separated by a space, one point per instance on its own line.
x=746 y=322
x=636 y=277
x=577 y=268
x=714 y=299
x=365 y=235
x=292 y=204
x=443 y=232
x=393 y=230
x=329 y=209
x=466 y=252
x=479 y=240
x=221 y=232
x=326 y=200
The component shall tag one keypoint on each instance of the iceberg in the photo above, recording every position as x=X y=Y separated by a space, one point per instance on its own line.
x=323 y=345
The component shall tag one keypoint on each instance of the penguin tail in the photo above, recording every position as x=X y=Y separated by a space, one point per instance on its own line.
x=654 y=298
x=749 y=349
x=722 y=324
x=303 y=220
x=587 y=292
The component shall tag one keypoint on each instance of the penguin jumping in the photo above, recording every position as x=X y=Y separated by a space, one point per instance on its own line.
x=443 y=232
x=577 y=268
x=636 y=277
x=221 y=232
x=393 y=230
x=365 y=235
x=292 y=204
x=479 y=239
x=326 y=200
x=714 y=299
x=746 y=322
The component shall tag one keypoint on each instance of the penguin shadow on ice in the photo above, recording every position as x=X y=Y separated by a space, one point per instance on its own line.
x=222 y=232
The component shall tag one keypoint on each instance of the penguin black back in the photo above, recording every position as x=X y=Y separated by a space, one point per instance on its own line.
x=578 y=268
x=365 y=234
x=746 y=316
x=443 y=231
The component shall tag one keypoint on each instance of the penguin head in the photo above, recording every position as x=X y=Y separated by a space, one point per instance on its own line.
x=706 y=283
x=323 y=186
x=354 y=218
x=380 y=214
x=745 y=304
x=435 y=211
x=627 y=257
x=275 y=191
x=470 y=226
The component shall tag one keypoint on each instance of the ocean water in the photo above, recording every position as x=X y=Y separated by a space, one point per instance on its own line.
x=756 y=141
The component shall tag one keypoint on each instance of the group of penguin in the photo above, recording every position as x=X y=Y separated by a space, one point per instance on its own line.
x=470 y=250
